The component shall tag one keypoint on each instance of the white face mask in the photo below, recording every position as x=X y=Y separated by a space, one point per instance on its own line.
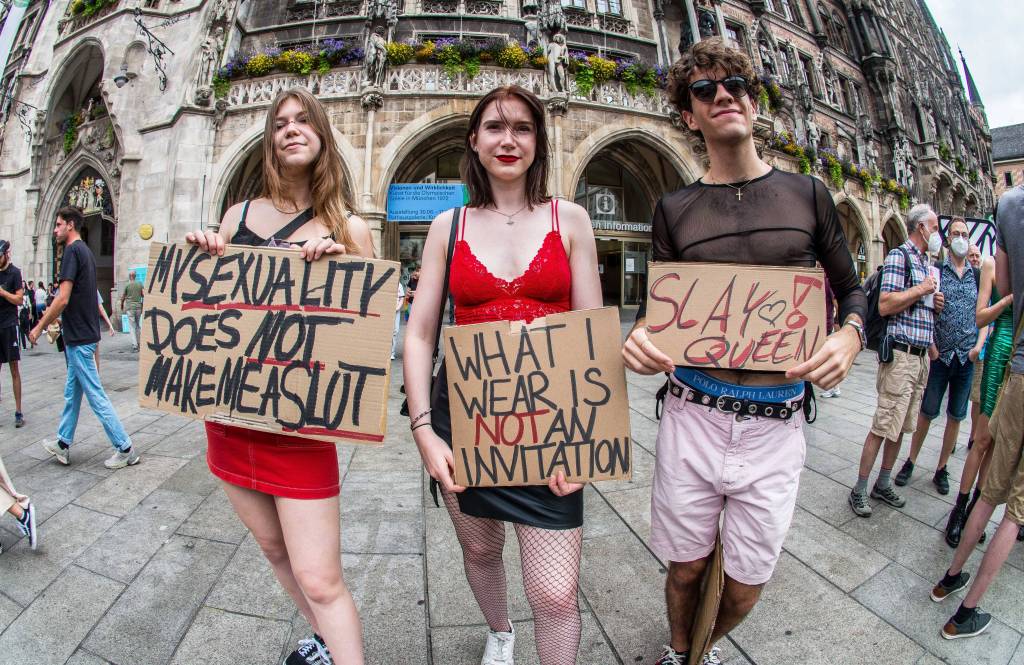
x=959 y=246
x=934 y=243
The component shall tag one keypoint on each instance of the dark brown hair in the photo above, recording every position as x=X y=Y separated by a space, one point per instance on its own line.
x=473 y=173
x=708 y=55
x=72 y=214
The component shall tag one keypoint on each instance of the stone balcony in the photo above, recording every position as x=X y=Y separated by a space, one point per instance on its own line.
x=430 y=80
x=72 y=23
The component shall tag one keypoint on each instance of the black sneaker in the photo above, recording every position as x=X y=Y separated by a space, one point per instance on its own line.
x=973 y=625
x=888 y=495
x=906 y=471
x=941 y=480
x=940 y=591
x=859 y=503
x=1020 y=534
x=19 y=420
x=27 y=525
x=311 y=651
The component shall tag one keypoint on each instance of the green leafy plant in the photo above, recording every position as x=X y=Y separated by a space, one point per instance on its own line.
x=221 y=86
x=71 y=125
x=944 y=152
x=584 y=79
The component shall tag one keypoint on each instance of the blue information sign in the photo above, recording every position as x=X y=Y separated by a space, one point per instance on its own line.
x=422 y=202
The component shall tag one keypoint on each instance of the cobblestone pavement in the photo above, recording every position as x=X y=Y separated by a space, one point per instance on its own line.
x=148 y=565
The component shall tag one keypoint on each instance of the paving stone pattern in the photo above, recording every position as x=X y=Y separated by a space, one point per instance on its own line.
x=149 y=565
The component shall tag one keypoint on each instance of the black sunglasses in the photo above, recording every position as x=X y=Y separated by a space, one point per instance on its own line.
x=706 y=89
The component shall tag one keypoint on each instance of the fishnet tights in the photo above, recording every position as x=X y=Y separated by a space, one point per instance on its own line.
x=551 y=571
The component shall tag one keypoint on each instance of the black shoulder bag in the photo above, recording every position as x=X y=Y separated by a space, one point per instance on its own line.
x=444 y=300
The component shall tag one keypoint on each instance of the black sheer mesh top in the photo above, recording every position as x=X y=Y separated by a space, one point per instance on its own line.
x=783 y=219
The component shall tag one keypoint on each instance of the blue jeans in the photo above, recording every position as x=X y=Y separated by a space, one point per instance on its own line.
x=83 y=378
x=957 y=376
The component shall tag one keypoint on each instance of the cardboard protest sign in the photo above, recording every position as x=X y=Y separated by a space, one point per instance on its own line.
x=263 y=339
x=706 y=616
x=729 y=316
x=529 y=400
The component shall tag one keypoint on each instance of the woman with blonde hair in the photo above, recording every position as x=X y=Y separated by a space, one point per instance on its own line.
x=516 y=254
x=285 y=489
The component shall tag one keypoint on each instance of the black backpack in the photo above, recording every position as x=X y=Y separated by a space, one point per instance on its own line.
x=876 y=325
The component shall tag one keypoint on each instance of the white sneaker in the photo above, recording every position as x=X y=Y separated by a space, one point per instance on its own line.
x=499 y=648
x=836 y=392
x=712 y=657
x=119 y=459
x=63 y=455
x=827 y=393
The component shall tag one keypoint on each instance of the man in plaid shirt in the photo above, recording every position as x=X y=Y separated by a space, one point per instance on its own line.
x=911 y=303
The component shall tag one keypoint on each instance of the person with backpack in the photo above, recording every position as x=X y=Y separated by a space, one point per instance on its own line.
x=956 y=340
x=902 y=304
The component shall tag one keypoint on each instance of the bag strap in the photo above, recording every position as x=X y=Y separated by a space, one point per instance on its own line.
x=447 y=273
x=908 y=276
x=297 y=223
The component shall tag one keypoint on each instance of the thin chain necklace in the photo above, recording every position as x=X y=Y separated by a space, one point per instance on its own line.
x=508 y=217
x=739 y=189
x=283 y=212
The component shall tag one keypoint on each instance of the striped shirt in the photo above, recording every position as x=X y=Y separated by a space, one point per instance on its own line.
x=916 y=324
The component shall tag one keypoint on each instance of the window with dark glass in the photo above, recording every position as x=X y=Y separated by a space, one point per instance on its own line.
x=808 y=75
x=734 y=34
x=844 y=88
x=610 y=7
x=578 y=4
x=1008 y=178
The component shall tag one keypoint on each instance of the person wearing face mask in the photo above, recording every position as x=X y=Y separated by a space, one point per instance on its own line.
x=953 y=353
x=903 y=297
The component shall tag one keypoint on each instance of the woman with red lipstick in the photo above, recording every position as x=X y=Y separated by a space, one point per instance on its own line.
x=518 y=254
x=283 y=488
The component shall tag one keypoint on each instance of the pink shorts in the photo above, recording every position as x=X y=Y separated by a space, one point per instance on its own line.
x=708 y=461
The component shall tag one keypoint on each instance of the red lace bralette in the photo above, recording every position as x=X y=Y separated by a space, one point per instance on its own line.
x=544 y=288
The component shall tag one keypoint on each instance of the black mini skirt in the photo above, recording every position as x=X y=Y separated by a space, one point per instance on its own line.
x=535 y=505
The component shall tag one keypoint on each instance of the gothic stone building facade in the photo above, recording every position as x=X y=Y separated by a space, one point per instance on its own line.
x=126 y=111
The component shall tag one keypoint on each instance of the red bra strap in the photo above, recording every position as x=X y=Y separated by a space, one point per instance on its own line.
x=554 y=216
x=462 y=228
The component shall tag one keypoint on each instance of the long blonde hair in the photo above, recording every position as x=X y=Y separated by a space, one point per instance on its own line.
x=332 y=200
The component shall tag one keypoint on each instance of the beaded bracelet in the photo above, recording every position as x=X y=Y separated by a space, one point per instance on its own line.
x=419 y=417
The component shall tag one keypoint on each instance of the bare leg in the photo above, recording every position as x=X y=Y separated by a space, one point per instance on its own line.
x=869 y=453
x=972 y=532
x=949 y=436
x=891 y=452
x=259 y=514
x=551 y=574
x=16 y=510
x=312 y=536
x=995 y=556
x=737 y=601
x=682 y=591
x=923 y=424
x=16 y=383
x=978 y=453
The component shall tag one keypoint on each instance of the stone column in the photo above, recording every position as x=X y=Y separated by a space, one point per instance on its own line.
x=557 y=107
x=371 y=100
x=816 y=24
x=720 y=18
x=691 y=15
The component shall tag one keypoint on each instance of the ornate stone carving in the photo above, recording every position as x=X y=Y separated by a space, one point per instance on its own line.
x=613 y=23
x=554 y=18
x=376 y=62
x=483 y=7
x=440 y=6
x=558 y=63
x=372 y=99
x=578 y=17
x=209 y=60
x=558 y=104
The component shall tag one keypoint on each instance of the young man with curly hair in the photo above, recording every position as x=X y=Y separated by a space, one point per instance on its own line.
x=713 y=463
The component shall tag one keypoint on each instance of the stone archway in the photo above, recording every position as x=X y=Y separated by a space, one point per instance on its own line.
x=894 y=234
x=619 y=184
x=855 y=231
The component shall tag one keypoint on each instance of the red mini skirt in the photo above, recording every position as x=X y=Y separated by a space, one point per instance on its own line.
x=275 y=464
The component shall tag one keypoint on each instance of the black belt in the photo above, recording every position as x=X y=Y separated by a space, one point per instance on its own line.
x=741 y=407
x=912 y=350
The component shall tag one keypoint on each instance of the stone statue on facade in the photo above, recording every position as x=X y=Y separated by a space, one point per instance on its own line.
x=222 y=11
x=552 y=18
x=532 y=26
x=209 y=60
x=706 y=24
x=767 y=61
x=813 y=134
x=558 y=64
x=376 y=59
x=872 y=156
x=900 y=158
x=831 y=85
